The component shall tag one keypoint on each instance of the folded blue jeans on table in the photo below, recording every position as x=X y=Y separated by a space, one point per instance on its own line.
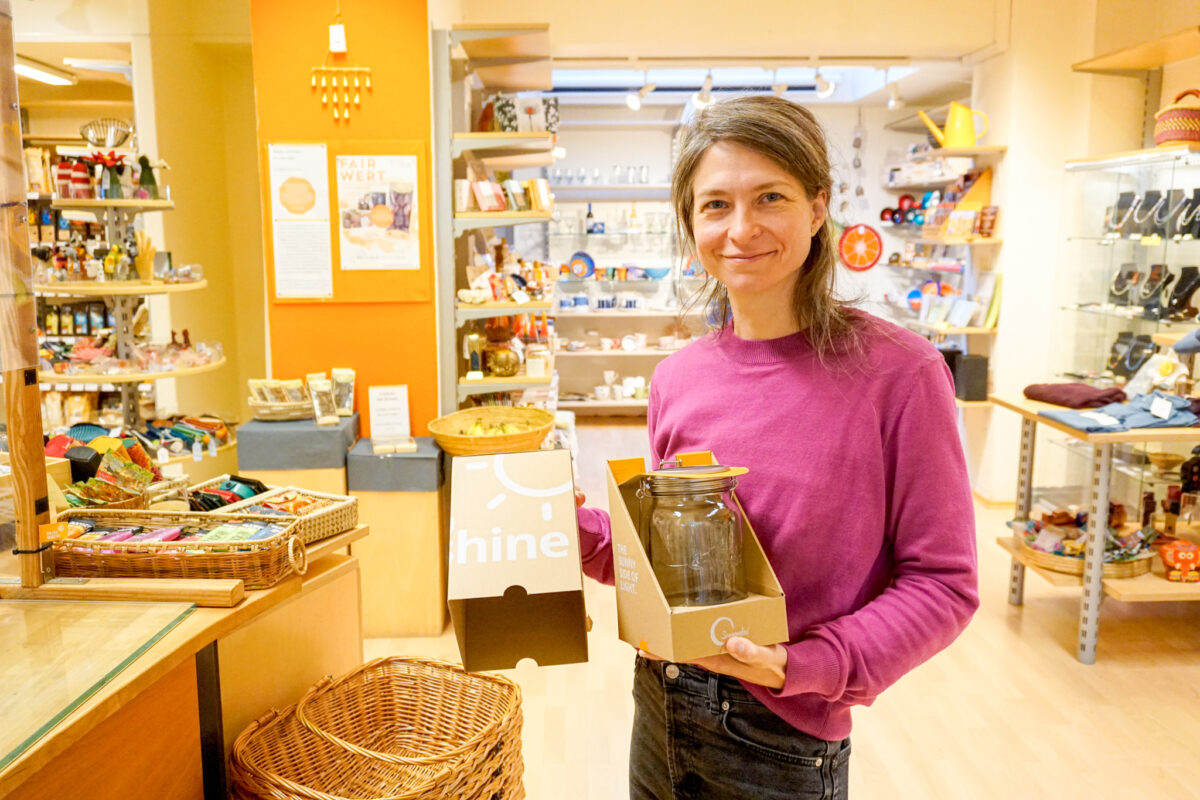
x=1117 y=417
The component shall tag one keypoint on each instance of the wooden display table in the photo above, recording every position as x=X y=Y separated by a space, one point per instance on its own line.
x=1151 y=587
x=163 y=726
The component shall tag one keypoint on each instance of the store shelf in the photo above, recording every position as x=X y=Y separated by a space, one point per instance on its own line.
x=921 y=186
x=1152 y=587
x=129 y=377
x=468 y=311
x=972 y=241
x=592 y=405
x=1134 y=316
x=1143 y=473
x=972 y=403
x=612 y=124
x=979 y=151
x=100 y=205
x=116 y=288
x=186 y=457
x=946 y=330
x=470 y=220
x=489 y=385
x=572 y=354
x=1029 y=409
x=561 y=314
x=502 y=142
x=1055 y=578
x=1145 y=55
x=94 y=386
x=1134 y=158
x=1166 y=339
x=611 y=193
x=510 y=57
x=953 y=269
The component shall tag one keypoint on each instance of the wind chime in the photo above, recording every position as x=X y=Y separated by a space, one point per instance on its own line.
x=341 y=88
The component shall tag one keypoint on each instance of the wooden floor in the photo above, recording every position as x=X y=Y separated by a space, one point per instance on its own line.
x=1006 y=712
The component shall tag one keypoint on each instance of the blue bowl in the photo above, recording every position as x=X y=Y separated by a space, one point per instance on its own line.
x=657 y=273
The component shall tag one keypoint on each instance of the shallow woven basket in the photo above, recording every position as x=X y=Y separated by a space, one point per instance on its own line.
x=395 y=728
x=447 y=430
x=1074 y=566
x=260 y=564
x=1178 y=123
x=317 y=525
x=167 y=489
x=280 y=412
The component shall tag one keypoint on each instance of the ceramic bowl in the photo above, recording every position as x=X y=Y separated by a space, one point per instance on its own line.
x=1165 y=462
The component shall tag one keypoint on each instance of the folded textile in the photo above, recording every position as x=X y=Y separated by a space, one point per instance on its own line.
x=1074 y=395
x=1117 y=417
x=1189 y=344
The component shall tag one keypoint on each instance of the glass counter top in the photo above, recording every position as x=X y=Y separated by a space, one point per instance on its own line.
x=54 y=655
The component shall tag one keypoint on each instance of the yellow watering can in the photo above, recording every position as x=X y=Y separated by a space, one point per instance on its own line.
x=960 y=126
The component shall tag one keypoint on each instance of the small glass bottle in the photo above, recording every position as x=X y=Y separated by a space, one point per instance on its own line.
x=692 y=531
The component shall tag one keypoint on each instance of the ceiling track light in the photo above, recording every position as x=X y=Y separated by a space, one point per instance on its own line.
x=825 y=87
x=703 y=98
x=634 y=99
x=43 y=73
x=778 y=88
x=895 y=101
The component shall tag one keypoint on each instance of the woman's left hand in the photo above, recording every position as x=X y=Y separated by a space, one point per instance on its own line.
x=747 y=661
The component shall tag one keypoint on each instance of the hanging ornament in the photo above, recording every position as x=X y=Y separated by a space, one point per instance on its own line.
x=338 y=79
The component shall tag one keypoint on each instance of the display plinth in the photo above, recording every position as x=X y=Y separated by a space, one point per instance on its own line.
x=400 y=496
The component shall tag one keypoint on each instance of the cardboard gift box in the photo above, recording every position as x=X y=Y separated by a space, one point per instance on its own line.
x=677 y=633
x=515 y=580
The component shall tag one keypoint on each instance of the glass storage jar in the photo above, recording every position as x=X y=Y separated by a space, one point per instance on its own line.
x=692 y=531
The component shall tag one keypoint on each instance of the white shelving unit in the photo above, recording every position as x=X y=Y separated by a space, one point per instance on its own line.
x=506 y=58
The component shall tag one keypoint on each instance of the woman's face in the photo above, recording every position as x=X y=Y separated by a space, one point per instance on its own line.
x=752 y=221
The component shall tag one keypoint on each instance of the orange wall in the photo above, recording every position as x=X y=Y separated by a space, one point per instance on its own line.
x=385 y=342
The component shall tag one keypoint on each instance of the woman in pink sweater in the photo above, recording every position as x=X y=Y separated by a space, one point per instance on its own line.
x=857 y=486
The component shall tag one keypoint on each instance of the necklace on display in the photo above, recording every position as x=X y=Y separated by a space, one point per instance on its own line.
x=1117 y=226
x=1153 y=209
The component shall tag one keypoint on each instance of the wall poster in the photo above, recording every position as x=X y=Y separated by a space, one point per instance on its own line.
x=301 y=246
x=377 y=212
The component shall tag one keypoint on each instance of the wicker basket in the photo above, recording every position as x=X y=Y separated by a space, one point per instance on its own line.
x=217 y=481
x=168 y=489
x=1130 y=568
x=320 y=524
x=1177 y=122
x=448 y=430
x=133 y=502
x=280 y=412
x=259 y=564
x=394 y=728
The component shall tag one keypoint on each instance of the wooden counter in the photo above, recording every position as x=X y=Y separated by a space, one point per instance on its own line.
x=138 y=737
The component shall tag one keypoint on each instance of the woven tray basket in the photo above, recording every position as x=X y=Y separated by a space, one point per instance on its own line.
x=217 y=481
x=317 y=525
x=259 y=564
x=136 y=501
x=1177 y=122
x=280 y=412
x=447 y=430
x=1074 y=566
x=394 y=728
x=168 y=489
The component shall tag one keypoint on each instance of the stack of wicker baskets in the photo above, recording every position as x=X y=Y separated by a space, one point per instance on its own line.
x=394 y=728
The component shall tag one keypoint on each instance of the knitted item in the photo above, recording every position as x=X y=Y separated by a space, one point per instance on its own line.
x=1074 y=395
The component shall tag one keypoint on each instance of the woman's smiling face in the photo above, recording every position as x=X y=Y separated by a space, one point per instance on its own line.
x=752 y=221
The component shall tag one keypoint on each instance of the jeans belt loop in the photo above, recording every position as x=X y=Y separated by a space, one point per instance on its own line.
x=714 y=694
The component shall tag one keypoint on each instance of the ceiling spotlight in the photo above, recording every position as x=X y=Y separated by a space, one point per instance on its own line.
x=825 y=88
x=895 y=101
x=778 y=88
x=37 y=71
x=703 y=98
x=634 y=99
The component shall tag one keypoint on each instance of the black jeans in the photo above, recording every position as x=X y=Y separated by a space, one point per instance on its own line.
x=697 y=734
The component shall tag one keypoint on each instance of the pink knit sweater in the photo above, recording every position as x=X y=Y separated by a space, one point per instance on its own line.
x=857 y=490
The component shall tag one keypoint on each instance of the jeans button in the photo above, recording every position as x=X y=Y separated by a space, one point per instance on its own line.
x=672 y=672
x=819 y=762
x=724 y=705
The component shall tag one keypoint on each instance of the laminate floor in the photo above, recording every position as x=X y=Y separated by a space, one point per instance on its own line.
x=1005 y=712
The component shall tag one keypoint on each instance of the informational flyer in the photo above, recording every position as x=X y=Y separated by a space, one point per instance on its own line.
x=303 y=249
x=377 y=209
x=389 y=412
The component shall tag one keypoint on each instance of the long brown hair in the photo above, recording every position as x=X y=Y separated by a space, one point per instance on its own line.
x=789 y=135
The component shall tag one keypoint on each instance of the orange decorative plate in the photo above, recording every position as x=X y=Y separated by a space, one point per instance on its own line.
x=860 y=247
